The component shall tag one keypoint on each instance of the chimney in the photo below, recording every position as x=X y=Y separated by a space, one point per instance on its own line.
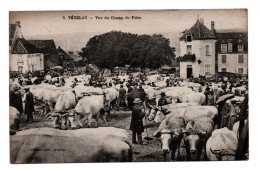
x=202 y=21
x=18 y=23
x=213 y=27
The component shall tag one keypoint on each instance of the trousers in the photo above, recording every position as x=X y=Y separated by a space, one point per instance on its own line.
x=139 y=137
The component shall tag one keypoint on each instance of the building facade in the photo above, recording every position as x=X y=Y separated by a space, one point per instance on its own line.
x=25 y=57
x=197 y=51
x=232 y=49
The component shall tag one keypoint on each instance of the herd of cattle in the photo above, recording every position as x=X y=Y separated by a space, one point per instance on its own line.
x=186 y=121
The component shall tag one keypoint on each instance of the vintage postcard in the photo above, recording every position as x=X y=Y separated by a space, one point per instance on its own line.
x=128 y=86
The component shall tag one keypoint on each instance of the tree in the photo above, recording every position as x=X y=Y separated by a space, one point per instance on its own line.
x=116 y=48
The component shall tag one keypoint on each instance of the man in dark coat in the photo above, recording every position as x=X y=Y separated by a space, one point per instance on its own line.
x=16 y=100
x=162 y=101
x=29 y=105
x=122 y=96
x=136 y=121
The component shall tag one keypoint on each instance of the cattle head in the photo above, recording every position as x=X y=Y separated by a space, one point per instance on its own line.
x=56 y=120
x=176 y=100
x=193 y=139
x=224 y=154
x=74 y=119
x=160 y=115
x=106 y=101
x=168 y=138
x=152 y=113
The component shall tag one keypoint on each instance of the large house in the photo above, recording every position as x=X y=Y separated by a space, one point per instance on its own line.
x=232 y=49
x=48 y=48
x=31 y=55
x=25 y=57
x=67 y=60
x=197 y=51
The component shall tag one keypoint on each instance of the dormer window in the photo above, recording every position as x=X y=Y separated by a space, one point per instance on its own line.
x=188 y=38
x=223 y=47
x=240 y=48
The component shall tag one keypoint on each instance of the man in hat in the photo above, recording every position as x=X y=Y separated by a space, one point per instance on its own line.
x=29 y=104
x=136 y=121
x=162 y=101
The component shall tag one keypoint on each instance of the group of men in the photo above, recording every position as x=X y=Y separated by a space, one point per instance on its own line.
x=16 y=101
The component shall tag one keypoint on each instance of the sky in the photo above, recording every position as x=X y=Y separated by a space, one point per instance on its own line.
x=57 y=25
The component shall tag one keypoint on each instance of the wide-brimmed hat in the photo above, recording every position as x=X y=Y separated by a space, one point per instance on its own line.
x=137 y=100
x=162 y=94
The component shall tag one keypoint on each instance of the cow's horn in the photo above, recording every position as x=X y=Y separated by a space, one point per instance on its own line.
x=203 y=132
x=184 y=130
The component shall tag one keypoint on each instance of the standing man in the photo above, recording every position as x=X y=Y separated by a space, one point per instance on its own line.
x=136 y=121
x=162 y=101
x=122 y=97
x=29 y=105
x=15 y=99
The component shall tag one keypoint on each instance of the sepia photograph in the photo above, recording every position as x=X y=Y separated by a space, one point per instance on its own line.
x=90 y=86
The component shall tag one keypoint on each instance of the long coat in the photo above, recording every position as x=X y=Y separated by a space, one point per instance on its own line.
x=16 y=101
x=29 y=104
x=136 y=121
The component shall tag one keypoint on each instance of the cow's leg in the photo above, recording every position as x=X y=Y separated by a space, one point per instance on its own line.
x=66 y=122
x=164 y=156
x=105 y=119
x=174 y=148
x=89 y=120
x=179 y=152
x=199 y=151
x=188 y=153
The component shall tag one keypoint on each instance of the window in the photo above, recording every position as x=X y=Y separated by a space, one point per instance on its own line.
x=188 y=38
x=189 y=49
x=20 y=69
x=223 y=69
x=207 y=69
x=207 y=50
x=240 y=48
x=230 y=47
x=223 y=47
x=224 y=59
x=240 y=70
x=240 y=58
x=20 y=58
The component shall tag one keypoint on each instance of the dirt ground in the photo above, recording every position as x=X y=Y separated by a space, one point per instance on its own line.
x=120 y=119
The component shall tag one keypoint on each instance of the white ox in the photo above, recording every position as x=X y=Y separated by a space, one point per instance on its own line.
x=88 y=107
x=47 y=93
x=104 y=144
x=111 y=95
x=65 y=102
x=222 y=145
x=189 y=113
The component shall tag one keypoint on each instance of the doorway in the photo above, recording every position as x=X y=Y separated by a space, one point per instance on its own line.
x=189 y=71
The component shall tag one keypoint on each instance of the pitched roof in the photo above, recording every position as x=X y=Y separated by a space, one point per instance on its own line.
x=62 y=52
x=235 y=38
x=22 y=46
x=199 y=32
x=12 y=28
x=43 y=45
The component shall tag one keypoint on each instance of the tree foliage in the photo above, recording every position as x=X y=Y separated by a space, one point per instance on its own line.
x=118 y=49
